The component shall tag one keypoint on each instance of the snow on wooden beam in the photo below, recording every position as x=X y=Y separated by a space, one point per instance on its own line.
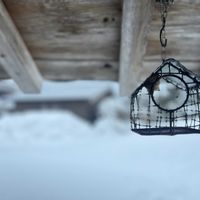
x=14 y=56
x=136 y=18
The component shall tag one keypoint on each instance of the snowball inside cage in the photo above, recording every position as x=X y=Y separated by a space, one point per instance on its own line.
x=168 y=102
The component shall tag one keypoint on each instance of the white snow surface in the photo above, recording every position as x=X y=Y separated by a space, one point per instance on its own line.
x=58 y=156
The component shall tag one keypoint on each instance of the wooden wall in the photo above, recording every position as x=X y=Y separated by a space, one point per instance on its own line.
x=80 y=39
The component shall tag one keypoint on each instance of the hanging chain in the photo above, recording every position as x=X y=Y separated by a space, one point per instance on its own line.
x=164 y=4
x=163 y=39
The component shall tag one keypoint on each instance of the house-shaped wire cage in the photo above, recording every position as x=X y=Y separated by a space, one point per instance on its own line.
x=168 y=102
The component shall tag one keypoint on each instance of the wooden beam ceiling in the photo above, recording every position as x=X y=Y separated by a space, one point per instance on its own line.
x=81 y=39
x=14 y=56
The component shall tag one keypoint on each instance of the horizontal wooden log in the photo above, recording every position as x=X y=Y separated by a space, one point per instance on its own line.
x=14 y=56
x=74 y=70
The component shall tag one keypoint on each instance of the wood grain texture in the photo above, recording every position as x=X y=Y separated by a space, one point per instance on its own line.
x=61 y=34
x=135 y=25
x=66 y=29
x=57 y=70
x=183 y=32
x=14 y=56
x=85 y=70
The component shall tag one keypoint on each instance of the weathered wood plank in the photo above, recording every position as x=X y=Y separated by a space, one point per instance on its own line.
x=79 y=29
x=92 y=70
x=88 y=29
x=135 y=25
x=14 y=56
x=183 y=32
x=57 y=70
x=69 y=32
x=76 y=70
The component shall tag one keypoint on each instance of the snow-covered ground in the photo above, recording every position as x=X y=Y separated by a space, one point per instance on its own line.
x=54 y=155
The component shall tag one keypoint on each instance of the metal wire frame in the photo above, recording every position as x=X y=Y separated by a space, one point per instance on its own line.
x=149 y=118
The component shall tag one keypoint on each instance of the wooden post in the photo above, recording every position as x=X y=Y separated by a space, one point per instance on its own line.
x=14 y=56
x=136 y=18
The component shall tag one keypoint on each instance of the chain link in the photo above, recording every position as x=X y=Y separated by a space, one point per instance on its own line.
x=163 y=38
x=164 y=4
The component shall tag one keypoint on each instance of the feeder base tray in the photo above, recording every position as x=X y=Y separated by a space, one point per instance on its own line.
x=167 y=131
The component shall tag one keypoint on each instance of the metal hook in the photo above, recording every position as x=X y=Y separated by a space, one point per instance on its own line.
x=163 y=39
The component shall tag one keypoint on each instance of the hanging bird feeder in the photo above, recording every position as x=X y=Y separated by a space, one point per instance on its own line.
x=168 y=101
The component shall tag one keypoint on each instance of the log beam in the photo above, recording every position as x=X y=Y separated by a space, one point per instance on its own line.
x=14 y=56
x=136 y=18
x=78 y=70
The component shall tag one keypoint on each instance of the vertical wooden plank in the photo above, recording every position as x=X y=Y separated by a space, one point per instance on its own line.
x=136 y=18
